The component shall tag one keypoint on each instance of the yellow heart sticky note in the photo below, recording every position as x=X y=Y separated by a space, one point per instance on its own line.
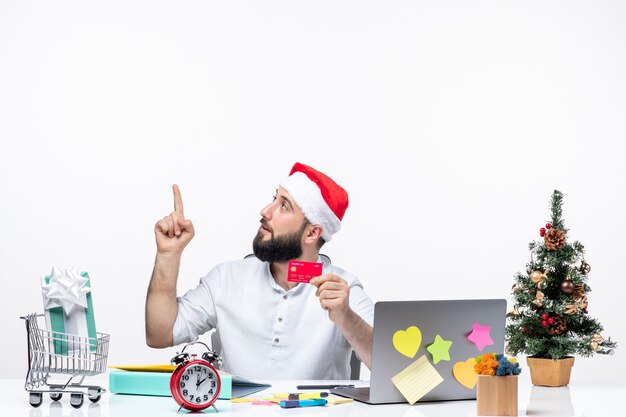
x=407 y=341
x=465 y=374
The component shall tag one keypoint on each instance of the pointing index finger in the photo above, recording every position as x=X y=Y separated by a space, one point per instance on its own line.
x=178 y=200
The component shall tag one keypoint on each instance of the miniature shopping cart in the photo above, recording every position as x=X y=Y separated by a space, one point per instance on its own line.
x=66 y=354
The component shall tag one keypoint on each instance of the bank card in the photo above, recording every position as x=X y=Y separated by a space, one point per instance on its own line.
x=301 y=271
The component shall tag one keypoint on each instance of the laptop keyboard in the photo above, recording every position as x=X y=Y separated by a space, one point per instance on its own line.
x=358 y=393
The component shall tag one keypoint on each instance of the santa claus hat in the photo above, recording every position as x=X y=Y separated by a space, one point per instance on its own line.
x=321 y=199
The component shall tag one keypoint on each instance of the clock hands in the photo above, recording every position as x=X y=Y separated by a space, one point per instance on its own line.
x=200 y=383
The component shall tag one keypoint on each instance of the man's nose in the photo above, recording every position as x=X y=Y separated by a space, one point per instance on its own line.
x=266 y=212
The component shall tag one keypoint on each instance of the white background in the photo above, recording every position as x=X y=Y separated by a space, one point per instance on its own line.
x=449 y=123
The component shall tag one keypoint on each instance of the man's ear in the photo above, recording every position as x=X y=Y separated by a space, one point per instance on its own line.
x=314 y=233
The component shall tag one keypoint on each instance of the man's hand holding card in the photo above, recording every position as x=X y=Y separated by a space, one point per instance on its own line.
x=332 y=290
x=334 y=293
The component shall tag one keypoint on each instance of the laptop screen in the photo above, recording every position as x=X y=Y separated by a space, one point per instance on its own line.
x=445 y=336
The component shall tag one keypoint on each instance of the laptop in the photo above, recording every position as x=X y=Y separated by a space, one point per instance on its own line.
x=452 y=320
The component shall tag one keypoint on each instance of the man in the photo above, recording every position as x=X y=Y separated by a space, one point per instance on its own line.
x=269 y=327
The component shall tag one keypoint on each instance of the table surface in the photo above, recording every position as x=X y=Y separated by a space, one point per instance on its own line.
x=536 y=401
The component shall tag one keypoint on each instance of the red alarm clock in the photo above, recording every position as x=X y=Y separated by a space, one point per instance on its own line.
x=195 y=383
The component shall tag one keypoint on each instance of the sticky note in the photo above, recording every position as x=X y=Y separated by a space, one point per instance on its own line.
x=254 y=399
x=417 y=380
x=145 y=368
x=465 y=374
x=263 y=402
x=440 y=349
x=335 y=399
x=407 y=341
x=480 y=336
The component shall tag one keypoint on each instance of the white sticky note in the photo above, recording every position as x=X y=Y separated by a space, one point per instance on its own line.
x=417 y=380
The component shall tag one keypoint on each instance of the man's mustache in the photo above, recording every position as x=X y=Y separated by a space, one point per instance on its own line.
x=265 y=225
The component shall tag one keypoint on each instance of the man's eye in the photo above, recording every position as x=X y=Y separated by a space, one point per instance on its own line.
x=273 y=198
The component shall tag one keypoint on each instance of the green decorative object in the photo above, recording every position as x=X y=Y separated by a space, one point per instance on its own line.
x=550 y=319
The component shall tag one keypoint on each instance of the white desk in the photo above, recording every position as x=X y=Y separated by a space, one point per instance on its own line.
x=536 y=401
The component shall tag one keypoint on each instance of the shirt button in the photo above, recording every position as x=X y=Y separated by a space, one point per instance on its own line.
x=276 y=340
x=285 y=297
x=280 y=319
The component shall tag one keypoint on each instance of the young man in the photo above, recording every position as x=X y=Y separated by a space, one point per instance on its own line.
x=269 y=327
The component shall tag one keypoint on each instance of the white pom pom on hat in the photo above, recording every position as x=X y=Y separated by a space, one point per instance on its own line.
x=322 y=200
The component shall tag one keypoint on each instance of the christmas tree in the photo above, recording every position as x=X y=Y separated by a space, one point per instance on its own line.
x=550 y=318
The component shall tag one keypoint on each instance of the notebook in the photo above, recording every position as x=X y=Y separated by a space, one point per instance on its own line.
x=453 y=321
x=155 y=380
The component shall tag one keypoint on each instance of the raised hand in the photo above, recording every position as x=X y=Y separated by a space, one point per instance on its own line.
x=174 y=232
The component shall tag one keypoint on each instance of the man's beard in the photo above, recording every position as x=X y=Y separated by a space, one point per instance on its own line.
x=279 y=248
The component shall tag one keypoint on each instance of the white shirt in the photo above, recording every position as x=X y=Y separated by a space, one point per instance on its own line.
x=265 y=331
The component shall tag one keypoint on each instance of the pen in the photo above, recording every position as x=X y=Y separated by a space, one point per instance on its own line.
x=302 y=403
x=324 y=386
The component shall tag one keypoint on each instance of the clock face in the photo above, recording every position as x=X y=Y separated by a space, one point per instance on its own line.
x=198 y=385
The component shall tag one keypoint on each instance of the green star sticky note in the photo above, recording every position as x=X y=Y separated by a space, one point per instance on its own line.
x=440 y=349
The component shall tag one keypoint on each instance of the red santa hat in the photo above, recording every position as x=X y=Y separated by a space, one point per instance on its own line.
x=321 y=199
